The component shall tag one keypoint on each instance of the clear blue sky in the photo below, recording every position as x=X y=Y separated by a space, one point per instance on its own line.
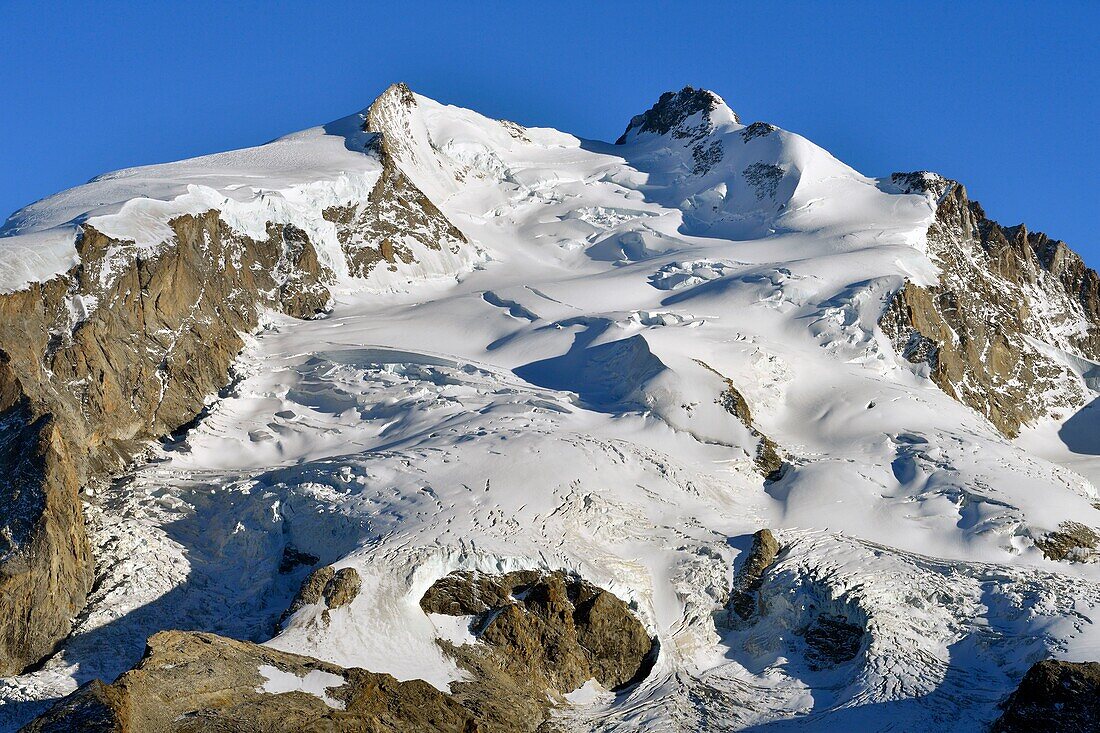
x=1002 y=96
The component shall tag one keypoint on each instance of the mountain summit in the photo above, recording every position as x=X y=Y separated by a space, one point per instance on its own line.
x=687 y=113
x=422 y=420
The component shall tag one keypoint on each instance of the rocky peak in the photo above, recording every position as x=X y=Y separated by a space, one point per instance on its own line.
x=395 y=101
x=674 y=114
x=399 y=216
x=1000 y=291
x=388 y=117
x=923 y=182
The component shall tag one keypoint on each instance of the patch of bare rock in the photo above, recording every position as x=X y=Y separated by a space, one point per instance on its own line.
x=191 y=682
x=1054 y=697
x=539 y=636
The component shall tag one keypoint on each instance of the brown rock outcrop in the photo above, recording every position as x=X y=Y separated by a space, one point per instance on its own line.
x=541 y=634
x=1071 y=541
x=378 y=229
x=123 y=348
x=190 y=682
x=768 y=459
x=747 y=582
x=396 y=212
x=334 y=588
x=1054 y=697
x=1000 y=289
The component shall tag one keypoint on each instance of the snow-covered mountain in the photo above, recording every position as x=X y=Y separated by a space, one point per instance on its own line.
x=502 y=409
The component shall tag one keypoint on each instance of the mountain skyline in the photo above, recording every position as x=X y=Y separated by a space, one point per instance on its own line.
x=963 y=91
x=425 y=420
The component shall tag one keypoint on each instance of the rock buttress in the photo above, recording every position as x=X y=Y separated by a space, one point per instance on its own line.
x=123 y=348
x=1001 y=289
x=540 y=636
x=190 y=682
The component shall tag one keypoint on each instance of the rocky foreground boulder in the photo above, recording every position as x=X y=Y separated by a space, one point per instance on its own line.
x=190 y=682
x=538 y=636
x=1054 y=697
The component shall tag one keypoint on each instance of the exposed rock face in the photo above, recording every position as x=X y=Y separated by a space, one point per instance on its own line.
x=768 y=459
x=671 y=111
x=397 y=213
x=757 y=129
x=1000 y=291
x=378 y=229
x=1071 y=541
x=1054 y=697
x=202 y=682
x=764 y=179
x=343 y=588
x=685 y=115
x=831 y=640
x=335 y=588
x=541 y=634
x=750 y=576
x=123 y=348
x=46 y=567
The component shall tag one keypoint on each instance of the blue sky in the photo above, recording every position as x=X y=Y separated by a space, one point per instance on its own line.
x=1002 y=96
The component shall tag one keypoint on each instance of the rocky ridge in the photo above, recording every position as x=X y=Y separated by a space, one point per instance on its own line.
x=204 y=682
x=768 y=458
x=396 y=213
x=538 y=636
x=122 y=349
x=1008 y=305
x=128 y=345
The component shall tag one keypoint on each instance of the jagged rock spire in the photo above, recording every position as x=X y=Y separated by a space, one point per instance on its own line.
x=673 y=109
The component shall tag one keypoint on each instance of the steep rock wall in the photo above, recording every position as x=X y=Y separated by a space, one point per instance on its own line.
x=1000 y=291
x=123 y=348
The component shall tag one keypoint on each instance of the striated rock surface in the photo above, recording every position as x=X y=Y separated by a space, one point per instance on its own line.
x=746 y=584
x=540 y=635
x=333 y=588
x=46 y=566
x=1054 y=697
x=123 y=348
x=204 y=682
x=1007 y=302
x=768 y=459
x=397 y=214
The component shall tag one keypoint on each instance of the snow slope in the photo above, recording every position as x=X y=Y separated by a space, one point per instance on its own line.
x=556 y=407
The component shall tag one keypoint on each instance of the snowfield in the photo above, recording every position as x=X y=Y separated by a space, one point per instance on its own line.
x=552 y=401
